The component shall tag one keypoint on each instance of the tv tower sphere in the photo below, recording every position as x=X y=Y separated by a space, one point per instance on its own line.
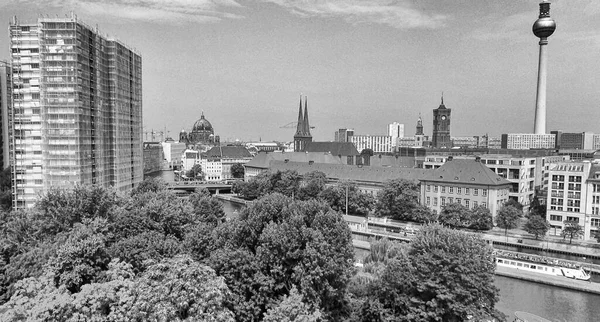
x=542 y=28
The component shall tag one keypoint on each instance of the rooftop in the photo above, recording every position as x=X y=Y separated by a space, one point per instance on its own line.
x=467 y=172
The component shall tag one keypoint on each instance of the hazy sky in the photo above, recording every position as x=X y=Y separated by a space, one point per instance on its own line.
x=362 y=64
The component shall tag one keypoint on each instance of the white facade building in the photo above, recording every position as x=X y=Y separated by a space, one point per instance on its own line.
x=396 y=130
x=377 y=143
x=523 y=141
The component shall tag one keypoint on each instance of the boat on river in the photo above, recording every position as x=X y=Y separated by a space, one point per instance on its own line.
x=574 y=272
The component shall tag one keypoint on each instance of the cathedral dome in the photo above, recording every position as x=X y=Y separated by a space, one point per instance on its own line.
x=202 y=125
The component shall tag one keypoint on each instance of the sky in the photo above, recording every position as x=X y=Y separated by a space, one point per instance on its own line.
x=362 y=63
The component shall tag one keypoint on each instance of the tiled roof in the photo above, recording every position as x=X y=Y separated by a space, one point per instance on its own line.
x=594 y=175
x=234 y=152
x=465 y=171
x=352 y=172
x=335 y=148
x=262 y=160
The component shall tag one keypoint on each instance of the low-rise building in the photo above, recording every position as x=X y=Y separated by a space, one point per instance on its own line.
x=467 y=182
x=153 y=157
x=377 y=143
x=262 y=161
x=173 y=153
x=219 y=160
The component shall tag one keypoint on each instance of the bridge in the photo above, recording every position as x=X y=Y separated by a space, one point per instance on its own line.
x=188 y=187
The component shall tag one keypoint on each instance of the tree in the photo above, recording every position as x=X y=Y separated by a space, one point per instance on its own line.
x=481 y=218
x=455 y=215
x=278 y=243
x=423 y=214
x=177 y=289
x=292 y=309
x=195 y=172
x=237 y=171
x=447 y=275
x=398 y=199
x=572 y=229
x=514 y=203
x=359 y=203
x=536 y=208
x=150 y=185
x=507 y=218
x=536 y=225
x=208 y=209
x=311 y=185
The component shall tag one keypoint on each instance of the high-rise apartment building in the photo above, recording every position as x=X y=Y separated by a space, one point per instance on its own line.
x=77 y=108
x=5 y=99
x=524 y=141
x=396 y=130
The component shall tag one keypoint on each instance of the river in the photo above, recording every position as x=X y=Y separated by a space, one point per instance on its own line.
x=553 y=303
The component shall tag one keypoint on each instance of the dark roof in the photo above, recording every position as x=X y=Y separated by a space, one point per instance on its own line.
x=335 y=148
x=234 y=152
x=594 y=170
x=386 y=161
x=467 y=172
x=352 y=172
x=263 y=159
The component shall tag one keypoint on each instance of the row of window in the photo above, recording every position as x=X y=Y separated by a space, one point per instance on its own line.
x=444 y=201
x=458 y=190
x=569 y=218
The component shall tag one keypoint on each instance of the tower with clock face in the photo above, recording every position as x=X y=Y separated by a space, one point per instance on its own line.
x=441 y=127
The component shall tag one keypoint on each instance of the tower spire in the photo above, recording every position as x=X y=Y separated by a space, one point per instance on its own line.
x=300 y=124
x=306 y=124
x=543 y=28
x=442 y=97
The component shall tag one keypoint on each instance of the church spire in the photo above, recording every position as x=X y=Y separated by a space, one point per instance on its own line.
x=442 y=98
x=306 y=124
x=419 y=126
x=300 y=125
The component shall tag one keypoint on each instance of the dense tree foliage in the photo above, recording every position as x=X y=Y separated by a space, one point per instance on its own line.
x=277 y=244
x=481 y=218
x=237 y=171
x=442 y=275
x=398 y=199
x=458 y=216
x=536 y=225
x=5 y=190
x=572 y=229
x=536 y=208
x=359 y=203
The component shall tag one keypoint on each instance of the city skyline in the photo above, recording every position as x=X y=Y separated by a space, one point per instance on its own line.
x=362 y=64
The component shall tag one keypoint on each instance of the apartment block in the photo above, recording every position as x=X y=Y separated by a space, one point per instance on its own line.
x=77 y=108
x=377 y=143
x=568 y=196
x=520 y=141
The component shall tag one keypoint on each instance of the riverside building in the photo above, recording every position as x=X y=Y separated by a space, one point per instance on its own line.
x=77 y=108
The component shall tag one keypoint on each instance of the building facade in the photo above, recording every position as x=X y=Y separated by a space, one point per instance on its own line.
x=441 y=127
x=343 y=135
x=5 y=109
x=523 y=141
x=77 y=109
x=466 y=182
x=173 y=152
x=573 y=141
x=395 y=130
x=568 y=198
x=377 y=143
x=153 y=157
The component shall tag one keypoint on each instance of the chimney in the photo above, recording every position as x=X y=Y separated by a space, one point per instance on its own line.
x=449 y=158
x=477 y=159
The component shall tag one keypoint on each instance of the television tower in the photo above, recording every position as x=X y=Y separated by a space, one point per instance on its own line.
x=542 y=28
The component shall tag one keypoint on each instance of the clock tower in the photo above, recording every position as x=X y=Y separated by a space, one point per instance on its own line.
x=441 y=127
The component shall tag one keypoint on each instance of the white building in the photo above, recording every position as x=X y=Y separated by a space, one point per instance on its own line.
x=396 y=130
x=173 y=152
x=377 y=143
x=522 y=141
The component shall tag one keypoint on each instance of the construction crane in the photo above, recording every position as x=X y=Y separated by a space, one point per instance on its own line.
x=292 y=125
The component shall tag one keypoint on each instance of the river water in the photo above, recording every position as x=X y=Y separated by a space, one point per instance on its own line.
x=550 y=302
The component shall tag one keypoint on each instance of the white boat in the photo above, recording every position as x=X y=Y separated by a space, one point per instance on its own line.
x=543 y=268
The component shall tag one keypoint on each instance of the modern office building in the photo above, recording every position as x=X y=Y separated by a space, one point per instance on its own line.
x=77 y=108
x=573 y=141
x=523 y=141
x=5 y=100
